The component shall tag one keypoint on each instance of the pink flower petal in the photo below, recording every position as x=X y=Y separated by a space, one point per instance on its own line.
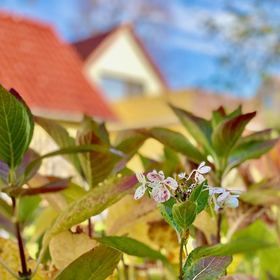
x=171 y=183
x=140 y=191
x=155 y=176
x=160 y=193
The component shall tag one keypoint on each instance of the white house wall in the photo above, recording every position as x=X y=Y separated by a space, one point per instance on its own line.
x=124 y=58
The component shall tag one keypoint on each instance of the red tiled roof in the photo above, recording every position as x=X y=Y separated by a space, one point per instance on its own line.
x=46 y=71
x=87 y=46
x=91 y=45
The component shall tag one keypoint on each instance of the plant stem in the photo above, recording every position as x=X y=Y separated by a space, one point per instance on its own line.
x=182 y=244
x=89 y=228
x=219 y=217
x=25 y=273
x=125 y=269
x=219 y=225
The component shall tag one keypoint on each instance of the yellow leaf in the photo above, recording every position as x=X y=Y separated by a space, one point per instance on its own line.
x=141 y=220
x=66 y=246
x=10 y=256
x=207 y=225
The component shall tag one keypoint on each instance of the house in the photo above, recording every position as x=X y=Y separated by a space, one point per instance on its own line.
x=120 y=65
x=47 y=72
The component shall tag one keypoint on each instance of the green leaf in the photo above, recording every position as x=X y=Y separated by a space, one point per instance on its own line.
x=129 y=147
x=16 y=128
x=184 y=213
x=97 y=264
x=228 y=132
x=62 y=138
x=149 y=163
x=199 y=128
x=249 y=150
x=200 y=196
x=171 y=162
x=96 y=165
x=73 y=192
x=262 y=197
x=27 y=208
x=166 y=212
x=93 y=203
x=209 y=268
x=257 y=231
x=65 y=151
x=177 y=142
x=131 y=144
x=269 y=264
x=131 y=247
x=262 y=135
x=242 y=245
x=19 y=171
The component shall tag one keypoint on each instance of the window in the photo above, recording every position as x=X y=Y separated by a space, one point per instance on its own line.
x=117 y=88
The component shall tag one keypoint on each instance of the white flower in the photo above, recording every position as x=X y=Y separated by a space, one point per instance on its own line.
x=158 y=186
x=155 y=176
x=224 y=198
x=160 y=193
x=203 y=169
x=171 y=183
x=199 y=172
x=182 y=175
x=140 y=191
x=158 y=177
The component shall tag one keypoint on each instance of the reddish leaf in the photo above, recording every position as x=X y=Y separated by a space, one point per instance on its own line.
x=51 y=187
x=199 y=128
x=227 y=133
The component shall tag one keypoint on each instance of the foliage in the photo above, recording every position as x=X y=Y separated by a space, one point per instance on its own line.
x=65 y=222
x=218 y=140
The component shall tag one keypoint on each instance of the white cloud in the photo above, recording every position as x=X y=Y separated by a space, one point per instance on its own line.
x=204 y=47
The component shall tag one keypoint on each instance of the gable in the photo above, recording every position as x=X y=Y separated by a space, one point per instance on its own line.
x=122 y=57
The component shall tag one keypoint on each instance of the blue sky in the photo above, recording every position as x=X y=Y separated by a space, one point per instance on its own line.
x=185 y=54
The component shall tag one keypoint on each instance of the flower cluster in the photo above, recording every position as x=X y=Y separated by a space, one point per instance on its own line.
x=161 y=188
x=157 y=185
x=198 y=173
x=223 y=198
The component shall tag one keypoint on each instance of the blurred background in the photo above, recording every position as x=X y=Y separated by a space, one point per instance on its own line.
x=124 y=61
